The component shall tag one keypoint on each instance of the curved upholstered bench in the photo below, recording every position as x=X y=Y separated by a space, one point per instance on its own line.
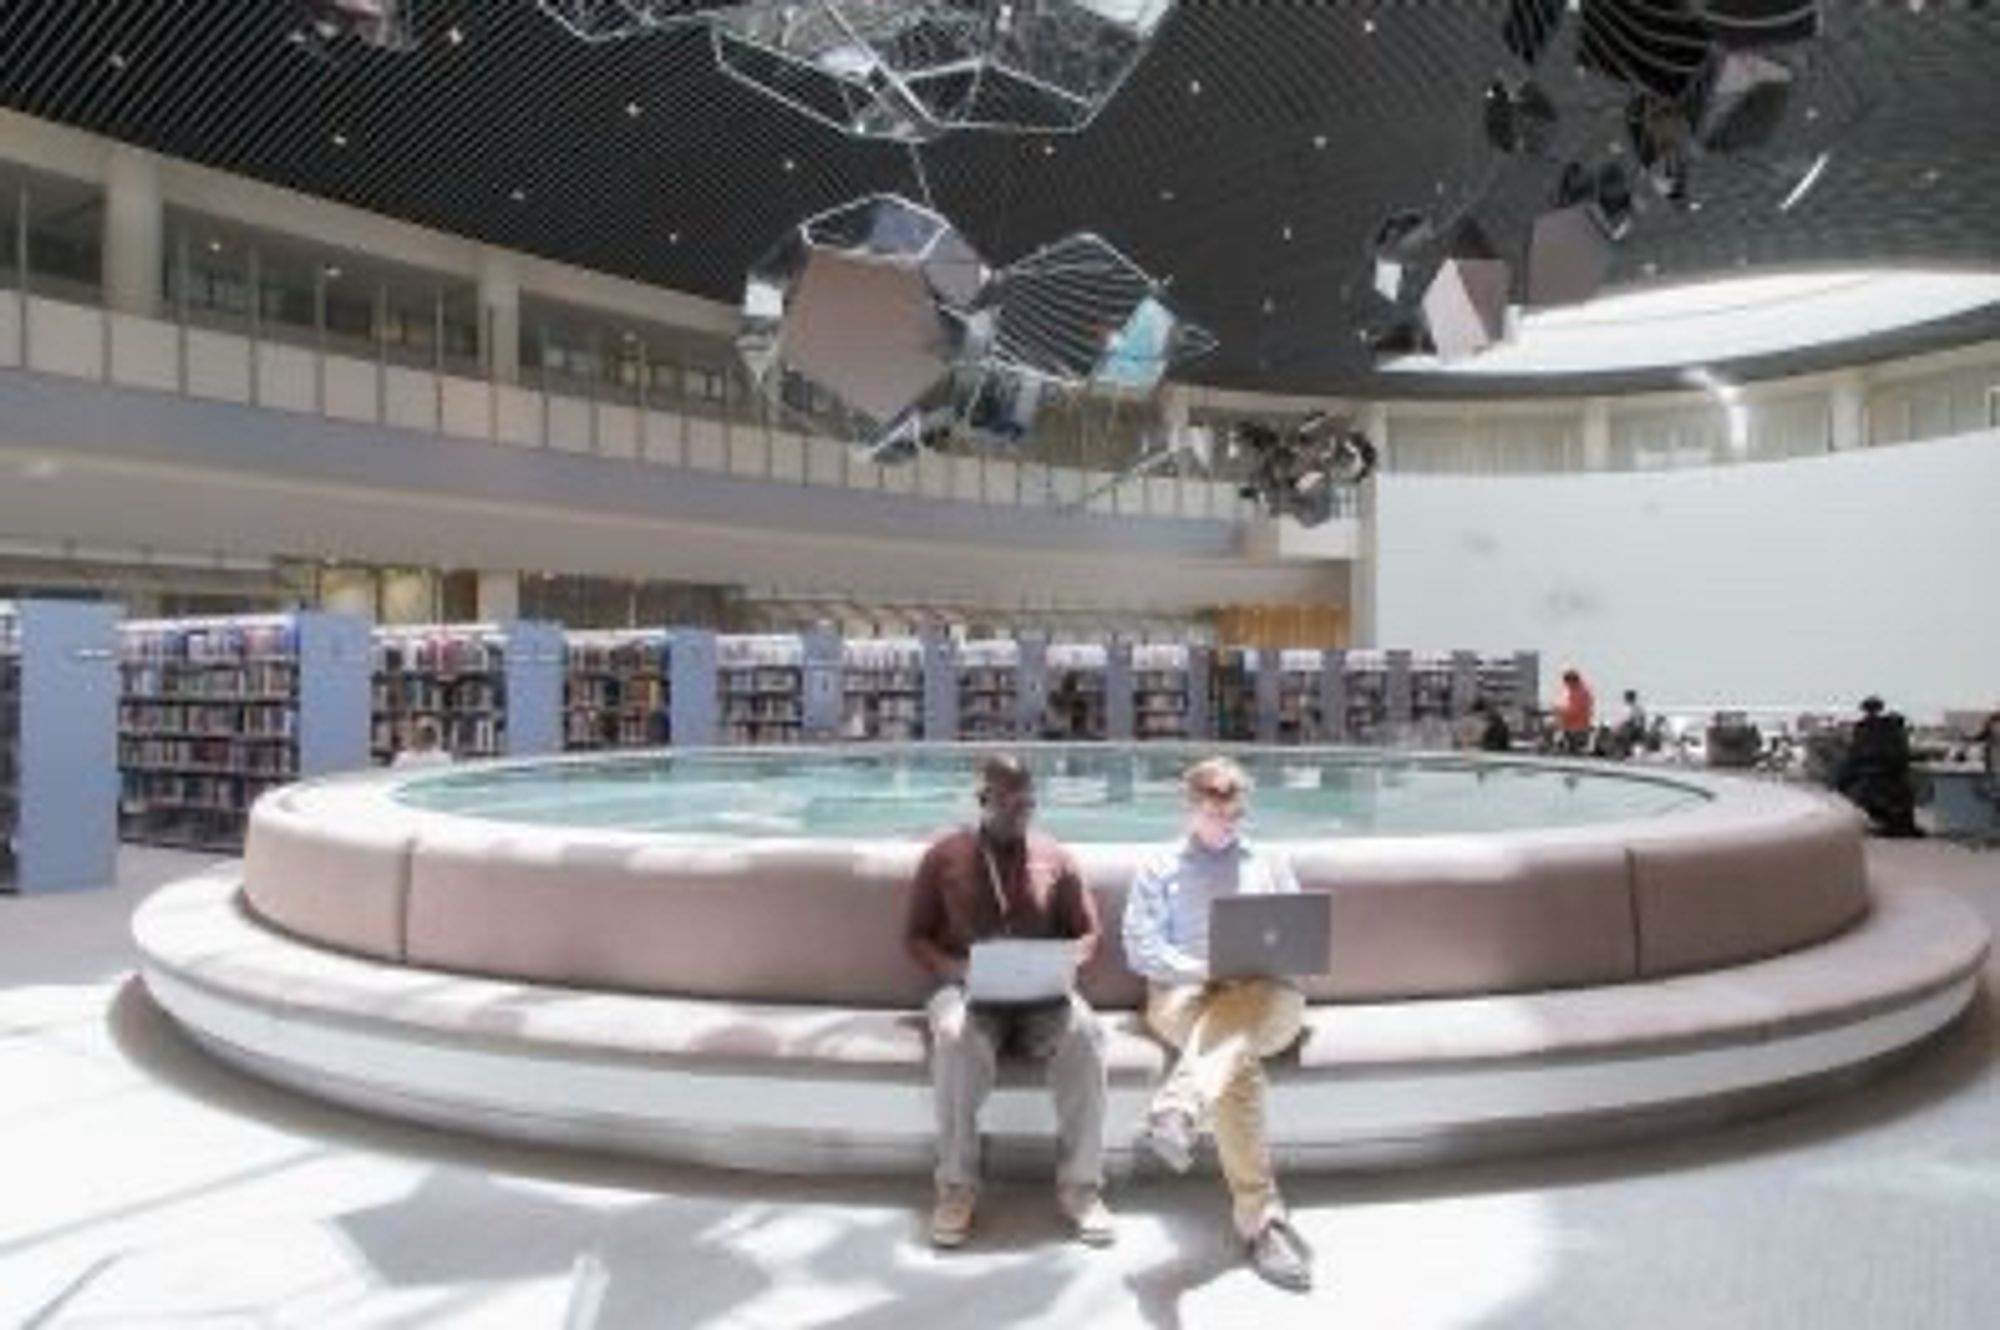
x=795 y=1087
x=1756 y=869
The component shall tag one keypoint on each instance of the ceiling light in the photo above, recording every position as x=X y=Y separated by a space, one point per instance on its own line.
x=632 y=109
x=215 y=246
x=790 y=165
x=339 y=139
x=1319 y=141
x=1194 y=86
x=1368 y=26
x=332 y=271
x=518 y=195
x=116 y=60
x=455 y=35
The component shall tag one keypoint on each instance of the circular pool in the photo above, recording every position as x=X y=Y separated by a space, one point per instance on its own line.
x=781 y=876
x=1093 y=795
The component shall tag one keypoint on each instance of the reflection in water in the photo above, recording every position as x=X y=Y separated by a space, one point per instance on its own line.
x=1099 y=793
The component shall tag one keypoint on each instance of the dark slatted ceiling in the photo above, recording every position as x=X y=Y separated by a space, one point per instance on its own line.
x=1196 y=185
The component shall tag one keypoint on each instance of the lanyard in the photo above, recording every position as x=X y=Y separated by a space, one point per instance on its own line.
x=993 y=881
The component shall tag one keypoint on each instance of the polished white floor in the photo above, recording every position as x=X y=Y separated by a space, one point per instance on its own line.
x=141 y=1185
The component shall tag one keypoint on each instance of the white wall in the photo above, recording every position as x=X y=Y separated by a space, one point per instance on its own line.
x=1801 y=583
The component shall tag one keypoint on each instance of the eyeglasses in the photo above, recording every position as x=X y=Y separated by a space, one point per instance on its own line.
x=1228 y=806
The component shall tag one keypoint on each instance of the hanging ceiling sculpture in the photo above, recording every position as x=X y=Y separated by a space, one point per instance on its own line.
x=1297 y=473
x=322 y=26
x=1697 y=80
x=909 y=70
x=877 y=322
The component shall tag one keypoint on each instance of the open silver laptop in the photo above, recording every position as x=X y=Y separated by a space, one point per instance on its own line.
x=1272 y=936
x=1015 y=970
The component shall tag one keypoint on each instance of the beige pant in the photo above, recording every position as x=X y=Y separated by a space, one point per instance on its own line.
x=1224 y=1031
x=965 y=1051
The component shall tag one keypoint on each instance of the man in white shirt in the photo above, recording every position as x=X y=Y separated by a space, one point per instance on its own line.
x=1223 y=1029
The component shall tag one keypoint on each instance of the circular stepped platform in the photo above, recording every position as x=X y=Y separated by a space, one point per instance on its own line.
x=802 y=1088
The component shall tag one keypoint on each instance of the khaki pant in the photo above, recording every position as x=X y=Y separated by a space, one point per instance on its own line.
x=966 y=1042
x=1224 y=1031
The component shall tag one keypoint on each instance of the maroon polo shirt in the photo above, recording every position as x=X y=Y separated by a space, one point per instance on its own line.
x=954 y=901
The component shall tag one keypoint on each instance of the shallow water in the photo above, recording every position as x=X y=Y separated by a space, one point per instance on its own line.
x=1102 y=793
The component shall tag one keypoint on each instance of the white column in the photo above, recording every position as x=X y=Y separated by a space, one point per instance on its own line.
x=134 y=245
x=500 y=315
x=499 y=597
x=1597 y=434
x=1363 y=571
x=1847 y=411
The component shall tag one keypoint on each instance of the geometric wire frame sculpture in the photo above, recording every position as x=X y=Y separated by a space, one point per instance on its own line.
x=908 y=70
x=877 y=322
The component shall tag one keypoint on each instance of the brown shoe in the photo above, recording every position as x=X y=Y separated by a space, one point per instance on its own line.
x=951 y=1217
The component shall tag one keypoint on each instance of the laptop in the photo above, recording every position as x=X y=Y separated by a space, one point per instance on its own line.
x=1270 y=936
x=1018 y=970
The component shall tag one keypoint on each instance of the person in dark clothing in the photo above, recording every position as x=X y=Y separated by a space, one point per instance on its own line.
x=1875 y=775
x=1495 y=737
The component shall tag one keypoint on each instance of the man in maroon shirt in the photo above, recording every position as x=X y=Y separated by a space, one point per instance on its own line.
x=994 y=880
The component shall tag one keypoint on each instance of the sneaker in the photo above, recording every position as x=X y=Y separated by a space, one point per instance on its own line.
x=951 y=1217
x=1282 y=1257
x=1170 y=1135
x=1088 y=1215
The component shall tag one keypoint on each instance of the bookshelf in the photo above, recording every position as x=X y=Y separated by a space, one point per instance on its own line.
x=1233 y=691
x=214 y=712
x=989 y=697
x=1300 y=676
x=1162 y=692
x=1077 y=708
x=492 y=690
x=58 y=745
x=1510 y=682
x=1365 y=680
x=882 y=687
x=760 y=686
x=617 y=690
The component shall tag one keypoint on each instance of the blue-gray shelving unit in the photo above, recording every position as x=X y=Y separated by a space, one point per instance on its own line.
x=1031 y=685
x=58 y=745
x=691 y=662
x=335 y=659
x=1268 y=665
x=1333 y=697
x=1201 y=704
x=822 y=683
x=1118 y=722
x=940 y=657
x=535 y=659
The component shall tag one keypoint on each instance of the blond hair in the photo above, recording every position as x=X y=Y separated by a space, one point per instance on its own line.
x=1216 y=778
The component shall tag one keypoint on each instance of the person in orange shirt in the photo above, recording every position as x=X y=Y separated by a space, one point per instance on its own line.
x=1575 y=712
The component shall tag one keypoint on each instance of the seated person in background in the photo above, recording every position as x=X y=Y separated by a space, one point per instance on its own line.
x=1632 y=725
x=997 y=879
x=1574 y=713
x=1223 y=1029
x=424 y=749
x=1494 y=736
x=1876 y=774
